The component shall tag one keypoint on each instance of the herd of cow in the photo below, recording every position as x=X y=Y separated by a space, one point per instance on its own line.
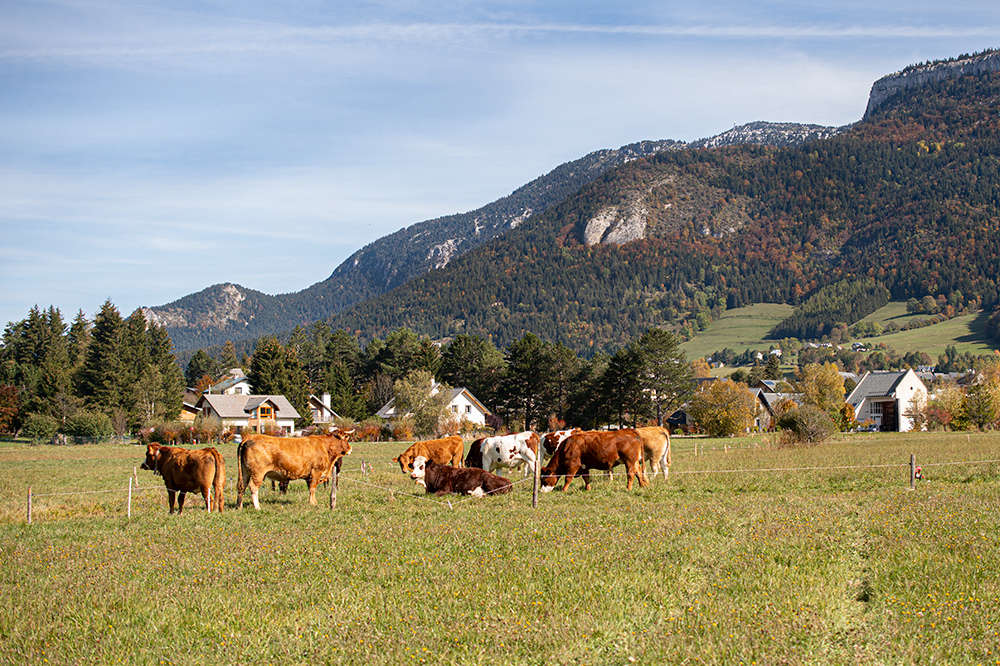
x=436 y=464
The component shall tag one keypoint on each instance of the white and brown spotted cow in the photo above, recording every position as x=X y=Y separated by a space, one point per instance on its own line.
x=442 y=479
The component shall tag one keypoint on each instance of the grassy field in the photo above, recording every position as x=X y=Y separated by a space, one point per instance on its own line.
x=748 y=554
x=739 y=329
x=965 y=333
x=745 y=328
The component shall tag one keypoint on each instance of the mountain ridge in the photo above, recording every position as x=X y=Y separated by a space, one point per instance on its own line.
x=229 y=311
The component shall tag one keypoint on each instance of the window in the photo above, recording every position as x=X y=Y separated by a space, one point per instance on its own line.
x=454 y=409
x=875 y=409
x=266 y=412
x=468 y=409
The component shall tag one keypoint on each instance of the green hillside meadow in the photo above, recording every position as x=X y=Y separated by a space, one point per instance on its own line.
x=747 y=554
x=746 y=328
x=738 y=329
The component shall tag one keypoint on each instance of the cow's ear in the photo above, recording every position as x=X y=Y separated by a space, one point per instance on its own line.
x=395 y=460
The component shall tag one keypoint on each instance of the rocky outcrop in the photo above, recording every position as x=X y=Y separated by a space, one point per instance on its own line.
x=922 y=75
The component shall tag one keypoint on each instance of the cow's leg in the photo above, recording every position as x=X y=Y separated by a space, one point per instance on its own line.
x=241 y=484
x=170 y=500
x=585 y=474
x=180 y=502
x=640 y=469
x=528 y=456
x=313 y=482
x=571 y=473
x=206 y=493
x=254 y=485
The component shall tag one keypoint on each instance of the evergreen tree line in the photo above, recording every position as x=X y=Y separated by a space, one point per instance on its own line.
x=94 y=379
x=529 y=384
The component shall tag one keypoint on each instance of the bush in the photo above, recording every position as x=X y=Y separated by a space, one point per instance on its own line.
x=805 y=424
x=368 y=431
x=402 y=429
x=40 y=426
x=88 y=424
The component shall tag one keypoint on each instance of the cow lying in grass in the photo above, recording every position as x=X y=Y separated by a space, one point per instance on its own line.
x=188 y=471
x=443 y=479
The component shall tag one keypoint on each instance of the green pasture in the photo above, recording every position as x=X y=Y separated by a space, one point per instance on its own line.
x=739 y=329
x=748 y=554
x=746 y=328
x=965 y=333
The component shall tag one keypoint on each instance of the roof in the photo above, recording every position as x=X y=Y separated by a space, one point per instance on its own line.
x=235 y=377
x=877 y=384
x=240 y=406
x=772 y=400
x=388 y=409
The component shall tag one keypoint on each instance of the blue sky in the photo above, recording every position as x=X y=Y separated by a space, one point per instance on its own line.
x=150 y=150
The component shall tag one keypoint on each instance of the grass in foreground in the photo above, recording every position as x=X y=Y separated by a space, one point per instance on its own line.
x=749 y=554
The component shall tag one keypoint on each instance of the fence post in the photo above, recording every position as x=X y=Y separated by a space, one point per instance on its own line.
x=29 y=505
x=129 y=511
x=537 y=477
x=913 y=471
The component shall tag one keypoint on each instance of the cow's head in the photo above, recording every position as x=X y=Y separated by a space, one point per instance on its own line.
x=341 y=433
x=419 y=469
x=548 y=477
x=152 y=461
x=339 y=448
x=405 y=461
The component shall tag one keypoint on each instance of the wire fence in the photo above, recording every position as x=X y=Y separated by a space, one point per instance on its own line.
x=368 y=469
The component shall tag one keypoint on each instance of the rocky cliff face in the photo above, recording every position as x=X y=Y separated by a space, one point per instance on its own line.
x=923 y=75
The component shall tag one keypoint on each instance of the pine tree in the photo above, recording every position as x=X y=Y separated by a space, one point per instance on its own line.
x=105 y=377
x=664 y=375
x=170 y=389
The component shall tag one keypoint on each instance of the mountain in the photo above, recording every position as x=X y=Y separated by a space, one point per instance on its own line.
x=904 y=203
x=787 y=233
x=231 y=312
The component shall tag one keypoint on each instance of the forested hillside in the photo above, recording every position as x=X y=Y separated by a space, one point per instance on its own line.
x=907 y=198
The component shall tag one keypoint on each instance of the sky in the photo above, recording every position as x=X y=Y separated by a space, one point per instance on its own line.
x=149 y=150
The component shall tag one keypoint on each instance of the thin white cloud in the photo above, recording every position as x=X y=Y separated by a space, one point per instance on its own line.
x=255 y=37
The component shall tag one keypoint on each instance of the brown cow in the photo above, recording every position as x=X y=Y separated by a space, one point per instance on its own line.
x=442 y=451
x=188 y=471
x=441 y=479
x=287 y=459
x=335 y=431
x=656 y=448
x=584 y=451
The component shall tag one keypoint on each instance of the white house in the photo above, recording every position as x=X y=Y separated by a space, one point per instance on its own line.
x=249 y=411
x=236 y=383
x=461 y=404
x=885 y=398
x=321 y=410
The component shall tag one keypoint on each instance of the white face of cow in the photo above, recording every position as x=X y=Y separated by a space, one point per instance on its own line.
x=419 y=467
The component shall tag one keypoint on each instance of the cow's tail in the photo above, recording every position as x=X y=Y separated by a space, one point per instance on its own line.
x=665 y=460
x=219 y=482
x=241 y=481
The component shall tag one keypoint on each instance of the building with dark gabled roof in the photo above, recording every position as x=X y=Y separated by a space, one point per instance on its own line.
x=885 y=398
